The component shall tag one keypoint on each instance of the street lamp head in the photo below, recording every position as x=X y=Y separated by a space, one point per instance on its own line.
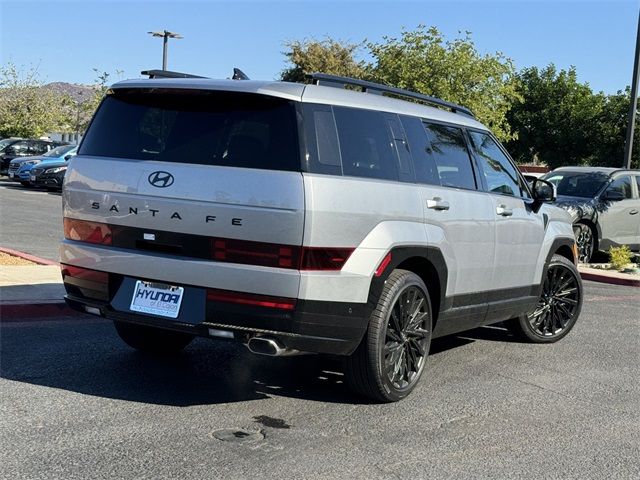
x=165 y=33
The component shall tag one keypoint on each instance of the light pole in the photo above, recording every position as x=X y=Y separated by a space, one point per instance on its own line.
x=165 y=35
x=628 y=147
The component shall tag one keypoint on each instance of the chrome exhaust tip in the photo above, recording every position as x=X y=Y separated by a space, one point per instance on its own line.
x=269 y=346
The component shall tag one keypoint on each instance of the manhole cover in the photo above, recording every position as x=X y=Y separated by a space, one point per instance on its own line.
x=238 y=435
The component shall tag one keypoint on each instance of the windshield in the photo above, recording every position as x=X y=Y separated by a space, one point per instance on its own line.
x=59 y=151
x=577 y=184
x=5 y=142
x=192 y=126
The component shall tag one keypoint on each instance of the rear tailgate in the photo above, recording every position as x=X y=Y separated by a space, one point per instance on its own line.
x=202 y=186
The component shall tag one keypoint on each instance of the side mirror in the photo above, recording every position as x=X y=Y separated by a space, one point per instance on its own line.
x=613 y=195
x=543 y=191
x=67 y=157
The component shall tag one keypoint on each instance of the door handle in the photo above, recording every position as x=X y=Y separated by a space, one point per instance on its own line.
x=504 y=211
x=436 y=203
x=633 y=212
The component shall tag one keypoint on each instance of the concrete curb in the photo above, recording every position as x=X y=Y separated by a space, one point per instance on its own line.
x=12 y=311
x=604 y=278
x=27 y=256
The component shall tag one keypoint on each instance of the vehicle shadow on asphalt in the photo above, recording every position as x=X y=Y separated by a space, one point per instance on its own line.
x=84 y=355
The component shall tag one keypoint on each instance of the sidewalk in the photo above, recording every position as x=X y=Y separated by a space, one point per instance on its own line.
x=30 y=291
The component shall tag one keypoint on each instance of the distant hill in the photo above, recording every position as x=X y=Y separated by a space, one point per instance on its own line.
x=74 y=90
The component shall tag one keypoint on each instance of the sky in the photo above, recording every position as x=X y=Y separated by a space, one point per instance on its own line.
x=67 y=40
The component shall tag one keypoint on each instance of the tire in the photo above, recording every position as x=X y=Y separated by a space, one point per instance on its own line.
x=558 y=307
x=389 y=361
x=585 y=241
x=152 y=339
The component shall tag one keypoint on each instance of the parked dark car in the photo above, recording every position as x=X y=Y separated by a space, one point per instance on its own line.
x=604 y=204
x=20 y=168
x=48 y=175
x=25 y=148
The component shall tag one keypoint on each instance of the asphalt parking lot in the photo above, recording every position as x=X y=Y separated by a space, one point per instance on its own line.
x=31 y=219
x=75 y=402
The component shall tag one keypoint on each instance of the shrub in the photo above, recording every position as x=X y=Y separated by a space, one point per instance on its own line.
x=619 y=257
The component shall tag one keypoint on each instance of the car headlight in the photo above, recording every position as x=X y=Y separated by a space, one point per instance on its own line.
x=32 y=162
x=55 y=170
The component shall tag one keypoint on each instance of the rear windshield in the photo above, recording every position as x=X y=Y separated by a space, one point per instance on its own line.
x=193 y=126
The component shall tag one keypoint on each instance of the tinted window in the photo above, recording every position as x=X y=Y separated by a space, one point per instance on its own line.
x=499 y=173
x=622 y=185
x=401 y=146
x=450 y=154
x=365 y=144
x=59 y=151
x=577 y=184
x=424 y=166
x=192 y=126
x=323 y=151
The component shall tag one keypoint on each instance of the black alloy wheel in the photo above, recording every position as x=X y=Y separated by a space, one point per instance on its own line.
x=558 y=306
x=407 y=339
x=389 y=361
x=585 y=242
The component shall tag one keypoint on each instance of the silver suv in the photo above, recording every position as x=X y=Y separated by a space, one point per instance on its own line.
x=309 y=218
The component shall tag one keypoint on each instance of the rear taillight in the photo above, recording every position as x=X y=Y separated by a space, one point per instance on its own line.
x=90 y=232
x=241 y=298
x=84 y=274
x=280 y=256
x=254 y=253
x=314 y=258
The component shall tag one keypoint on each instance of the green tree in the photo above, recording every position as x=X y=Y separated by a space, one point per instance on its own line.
x=89 y=106
x=610 y=130
x=422 y=61
x=326 y=56
x=27 y=109
x=557 y=120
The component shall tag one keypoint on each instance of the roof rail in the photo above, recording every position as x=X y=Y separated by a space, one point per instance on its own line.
x=378 y=88
x=168 y=74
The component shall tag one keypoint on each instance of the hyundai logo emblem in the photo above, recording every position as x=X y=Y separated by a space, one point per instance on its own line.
x=161 y=179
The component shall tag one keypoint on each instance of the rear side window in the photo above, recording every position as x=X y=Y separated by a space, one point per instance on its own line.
x=365 y=144
x=193 y=126
x=425 y=168
x=451 y=156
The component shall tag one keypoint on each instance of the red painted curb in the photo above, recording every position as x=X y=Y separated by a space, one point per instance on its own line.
x=594 y=277
x=27 y=256
x=17 y=312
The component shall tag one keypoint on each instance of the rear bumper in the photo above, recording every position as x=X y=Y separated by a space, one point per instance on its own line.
x=313 y=326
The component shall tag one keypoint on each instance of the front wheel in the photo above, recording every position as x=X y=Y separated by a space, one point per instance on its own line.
x=152 y=339
x=389 y=361
x=558 y=307
x=585 y=241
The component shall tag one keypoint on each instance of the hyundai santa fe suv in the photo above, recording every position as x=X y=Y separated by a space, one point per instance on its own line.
x=309 y=219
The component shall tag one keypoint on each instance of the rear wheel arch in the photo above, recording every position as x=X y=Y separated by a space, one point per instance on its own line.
x=426 y=262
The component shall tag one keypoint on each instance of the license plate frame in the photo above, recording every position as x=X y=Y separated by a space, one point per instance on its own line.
x=158 y=299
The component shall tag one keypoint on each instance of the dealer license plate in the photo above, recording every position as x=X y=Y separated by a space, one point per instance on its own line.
x=11 y=174
x=33 y=178
x=157 y=299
